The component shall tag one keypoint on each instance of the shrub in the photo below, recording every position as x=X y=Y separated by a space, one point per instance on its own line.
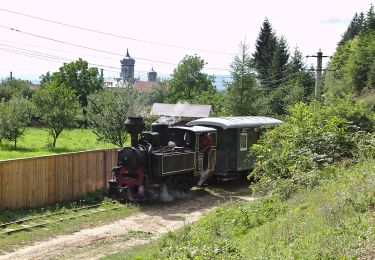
x=311 y=138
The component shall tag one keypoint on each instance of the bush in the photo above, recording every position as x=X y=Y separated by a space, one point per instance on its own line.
x=311 y=138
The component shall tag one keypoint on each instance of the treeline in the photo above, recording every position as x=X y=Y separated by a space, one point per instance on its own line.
x=71 y=97
x=352 y=67
x=265 y=82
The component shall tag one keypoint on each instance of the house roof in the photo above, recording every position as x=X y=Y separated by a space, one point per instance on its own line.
x=235 y=122
x=33 y=86
x=181 y=110
x=144 y=86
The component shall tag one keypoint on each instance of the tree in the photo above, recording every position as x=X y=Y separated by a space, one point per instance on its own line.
x=15 y=116
x=188 y=80
x=45 y=78
x=14 y=88
x=299 y=75
x=217 y=99
x=355 y=27
x=78 y=76
x=265 y=48
x=296 y=85
x=279 y=63
x=58 y=108
x=107 y=111
x=352 y=64
x=370 y=19
x=157 y=94
x=296 y=63
x=241 y=91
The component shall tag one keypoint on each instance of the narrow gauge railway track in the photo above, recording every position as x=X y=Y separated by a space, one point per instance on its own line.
x=51 y=218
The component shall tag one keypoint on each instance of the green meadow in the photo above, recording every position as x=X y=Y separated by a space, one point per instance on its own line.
x=37 y=142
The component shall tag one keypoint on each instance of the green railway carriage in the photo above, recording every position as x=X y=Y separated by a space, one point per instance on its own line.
x=235 y=136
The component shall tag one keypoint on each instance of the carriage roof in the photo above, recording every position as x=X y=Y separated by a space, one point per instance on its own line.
x=197 y=129
x=235 y=122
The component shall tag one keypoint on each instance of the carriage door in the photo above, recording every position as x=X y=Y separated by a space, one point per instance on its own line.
x=244 y=144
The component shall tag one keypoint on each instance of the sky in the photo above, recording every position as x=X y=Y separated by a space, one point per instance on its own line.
x=158 y=34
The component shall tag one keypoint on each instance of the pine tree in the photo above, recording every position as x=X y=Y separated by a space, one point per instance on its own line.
x=355 y=27
x=296 y=63
x=241 y=91
x=264 y=51
x=370 y=19
x=279 y=62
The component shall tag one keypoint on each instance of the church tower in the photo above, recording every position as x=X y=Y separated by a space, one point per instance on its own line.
x=152 y=75
x=127 y=68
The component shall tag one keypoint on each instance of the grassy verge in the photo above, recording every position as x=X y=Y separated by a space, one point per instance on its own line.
x=36 y=141
x=334 y=220
x=9 y=241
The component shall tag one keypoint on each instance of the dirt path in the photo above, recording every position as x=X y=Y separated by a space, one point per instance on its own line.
x=133 y=230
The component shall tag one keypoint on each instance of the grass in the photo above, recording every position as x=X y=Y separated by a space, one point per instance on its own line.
x=36 y=142
x=10 y=241
x=333 y=220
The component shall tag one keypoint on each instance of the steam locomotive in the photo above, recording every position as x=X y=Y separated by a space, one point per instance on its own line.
x=172 y=157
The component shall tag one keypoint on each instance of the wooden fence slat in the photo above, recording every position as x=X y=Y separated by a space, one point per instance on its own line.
x=37 y=181
x=1 y=187
x=66 y=168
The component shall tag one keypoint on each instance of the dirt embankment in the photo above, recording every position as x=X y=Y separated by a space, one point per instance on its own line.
x=137 y=229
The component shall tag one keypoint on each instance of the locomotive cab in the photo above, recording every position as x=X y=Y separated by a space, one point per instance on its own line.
x=190 y=138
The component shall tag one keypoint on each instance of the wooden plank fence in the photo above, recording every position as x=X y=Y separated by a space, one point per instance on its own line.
x=43 y=180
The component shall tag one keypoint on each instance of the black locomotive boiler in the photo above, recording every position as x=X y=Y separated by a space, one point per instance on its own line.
x=165 y=158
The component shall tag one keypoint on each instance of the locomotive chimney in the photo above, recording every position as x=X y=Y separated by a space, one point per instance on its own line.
x=162 y=129
x=134 y=126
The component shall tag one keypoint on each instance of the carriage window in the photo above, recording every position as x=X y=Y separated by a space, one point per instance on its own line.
x=243 y=142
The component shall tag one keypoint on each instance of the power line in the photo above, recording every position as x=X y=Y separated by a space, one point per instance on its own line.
x=71 y=52
x=35 y=52
x=270 y=88
x=58 y=50
x=90 y=48
x=287 y=77
x=53 y=58
x=114 y=35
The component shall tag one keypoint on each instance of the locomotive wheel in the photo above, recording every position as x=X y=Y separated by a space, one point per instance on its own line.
x=112 y=190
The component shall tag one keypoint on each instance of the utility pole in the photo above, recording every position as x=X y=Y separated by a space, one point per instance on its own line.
x=11 y=76
x=318 y=80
